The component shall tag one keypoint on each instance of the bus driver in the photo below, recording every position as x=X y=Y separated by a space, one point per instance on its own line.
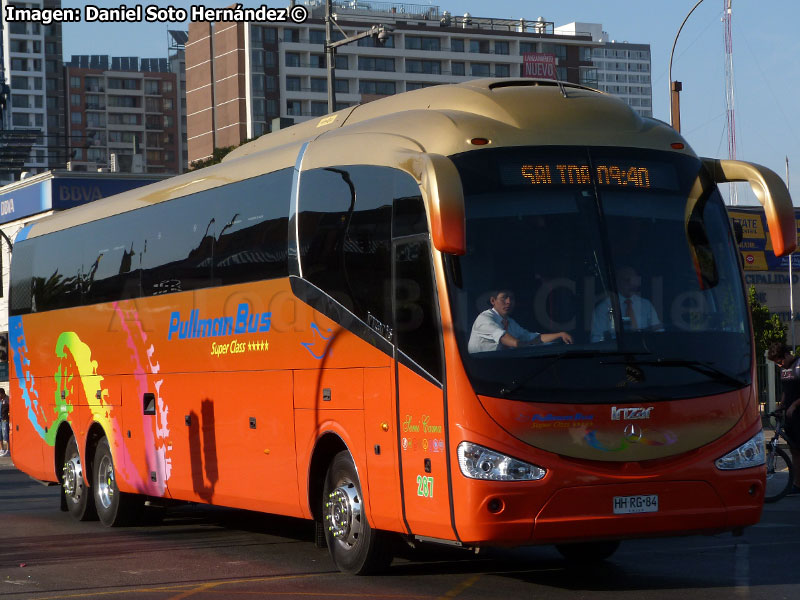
x=494 y=329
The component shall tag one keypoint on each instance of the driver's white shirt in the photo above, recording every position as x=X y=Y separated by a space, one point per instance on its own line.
x=488 y=329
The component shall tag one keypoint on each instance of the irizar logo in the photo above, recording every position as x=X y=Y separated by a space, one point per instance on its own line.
x=630 y=414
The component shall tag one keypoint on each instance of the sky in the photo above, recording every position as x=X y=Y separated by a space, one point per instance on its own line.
x=766 y=60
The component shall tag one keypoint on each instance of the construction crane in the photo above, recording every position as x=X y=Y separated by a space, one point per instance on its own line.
x=727 y=14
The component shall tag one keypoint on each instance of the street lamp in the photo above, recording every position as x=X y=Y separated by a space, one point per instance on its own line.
x=379 y=32
x=675 y=87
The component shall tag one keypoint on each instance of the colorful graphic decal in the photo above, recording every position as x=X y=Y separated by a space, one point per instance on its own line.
x=25 y=379
x=646 y=437
x=146 y=373
x=320 y=344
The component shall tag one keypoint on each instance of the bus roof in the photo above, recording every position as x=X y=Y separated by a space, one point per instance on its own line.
x=441 y=120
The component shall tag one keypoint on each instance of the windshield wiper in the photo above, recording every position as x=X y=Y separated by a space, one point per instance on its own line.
x=515 y=385
x=706 y=368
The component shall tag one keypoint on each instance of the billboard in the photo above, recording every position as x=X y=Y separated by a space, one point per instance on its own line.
x=756 y=245
x=539 y=65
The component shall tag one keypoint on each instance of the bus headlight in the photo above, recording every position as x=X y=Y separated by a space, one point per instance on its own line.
x=749 y=454
x=477 y=462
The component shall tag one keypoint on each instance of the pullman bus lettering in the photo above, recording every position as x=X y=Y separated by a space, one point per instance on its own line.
x=196 y=327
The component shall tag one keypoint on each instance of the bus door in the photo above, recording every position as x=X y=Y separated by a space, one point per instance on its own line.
x=420 y=392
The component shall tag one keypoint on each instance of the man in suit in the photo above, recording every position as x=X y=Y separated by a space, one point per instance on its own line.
x=637 y=313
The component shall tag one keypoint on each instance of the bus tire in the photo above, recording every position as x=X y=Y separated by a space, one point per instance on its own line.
x=354 y=545
x=588 y=552
x=114 y=508
x=77 y=495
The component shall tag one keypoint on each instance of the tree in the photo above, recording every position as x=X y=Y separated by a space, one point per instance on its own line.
x=767 y=327
x=217 y=156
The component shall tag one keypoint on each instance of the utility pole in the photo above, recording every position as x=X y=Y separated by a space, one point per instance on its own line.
x=675 y=87
x=379 y=32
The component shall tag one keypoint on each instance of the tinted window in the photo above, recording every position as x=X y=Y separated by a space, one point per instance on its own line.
x=345 y=231
x=227 y=235
x=416 y=324
x=345 y=223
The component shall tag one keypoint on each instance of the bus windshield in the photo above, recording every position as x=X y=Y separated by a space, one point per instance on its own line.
x=627 y=251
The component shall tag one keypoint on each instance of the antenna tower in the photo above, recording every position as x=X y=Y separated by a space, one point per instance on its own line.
x=727 y=14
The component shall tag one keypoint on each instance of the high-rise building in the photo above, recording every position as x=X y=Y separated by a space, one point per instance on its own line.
x=242 y=76
x=33 y=137
x=124 y=114
x=177 y=65
x=623 y=69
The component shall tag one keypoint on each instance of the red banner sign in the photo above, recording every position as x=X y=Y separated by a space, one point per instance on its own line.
x=538 y=65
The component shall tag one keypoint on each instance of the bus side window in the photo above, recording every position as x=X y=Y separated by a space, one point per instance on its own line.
x=417 y=330
x=345 y=244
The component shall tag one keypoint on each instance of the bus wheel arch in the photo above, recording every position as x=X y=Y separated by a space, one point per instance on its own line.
x=326 y=448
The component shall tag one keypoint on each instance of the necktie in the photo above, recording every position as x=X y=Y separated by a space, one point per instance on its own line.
x=630 y=314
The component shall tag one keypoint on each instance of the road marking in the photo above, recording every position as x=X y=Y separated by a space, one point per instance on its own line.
x=467 y=583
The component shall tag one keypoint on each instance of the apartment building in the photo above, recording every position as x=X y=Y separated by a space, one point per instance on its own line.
x=123 y=114
x=242 y=76
x=33 y=129
x=623 y=69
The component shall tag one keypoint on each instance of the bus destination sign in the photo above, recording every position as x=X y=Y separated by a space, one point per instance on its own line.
x=618 y=174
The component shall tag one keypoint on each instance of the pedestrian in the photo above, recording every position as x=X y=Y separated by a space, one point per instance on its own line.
x=781 y=354
x=3 y=423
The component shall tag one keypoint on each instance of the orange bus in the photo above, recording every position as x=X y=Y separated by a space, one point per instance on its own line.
x=304 y=329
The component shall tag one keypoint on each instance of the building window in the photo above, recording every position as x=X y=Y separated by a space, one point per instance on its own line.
x=293 y=108
x=384 y=88
x=257 y=61
x=150 y=104
x=318 y=61
x=75 y=82
x=342 y=86
x=151 y=87
x=369 y=63
x=272 y=107
x=258 y=84
x=432 y=67
x=319 y=85
x=270 y=83
x=479 y=46
x=502 y=70
x=21 y=119
x=21 y=101
x=292 y=84
x=423 y=43
x=560 y=50
x=501 y=47
x=166 y=87
x=457 y=68
x=317 y=36
x=19 y=64
x=96 y=119
x=258 y=108
x=479 y=70
x=319 y=108
x=527 y=47
x=457 y=45
x=75 y=99
x=76 y=118
x=291 y=35
x=371 y=42
x=342 y=63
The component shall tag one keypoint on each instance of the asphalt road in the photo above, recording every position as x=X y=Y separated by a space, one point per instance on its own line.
x=207 y=553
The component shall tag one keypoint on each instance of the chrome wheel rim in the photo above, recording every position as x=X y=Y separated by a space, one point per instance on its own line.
x=73 y=479
x=105 y=482
x=343 y=513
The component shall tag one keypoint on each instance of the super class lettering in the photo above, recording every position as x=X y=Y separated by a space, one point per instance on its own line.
x=194 y=326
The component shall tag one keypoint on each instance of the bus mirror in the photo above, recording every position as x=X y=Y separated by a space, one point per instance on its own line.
x=771 y=192
x=442 y=185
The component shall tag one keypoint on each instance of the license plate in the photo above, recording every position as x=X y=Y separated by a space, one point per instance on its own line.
x=624 y=505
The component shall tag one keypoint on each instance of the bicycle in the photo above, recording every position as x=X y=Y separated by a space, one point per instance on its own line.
x=780 y=470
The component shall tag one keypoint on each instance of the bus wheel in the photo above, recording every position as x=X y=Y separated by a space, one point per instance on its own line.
x=77 y=496
x=588 y=552
x=114 y=508
x=354 y=546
